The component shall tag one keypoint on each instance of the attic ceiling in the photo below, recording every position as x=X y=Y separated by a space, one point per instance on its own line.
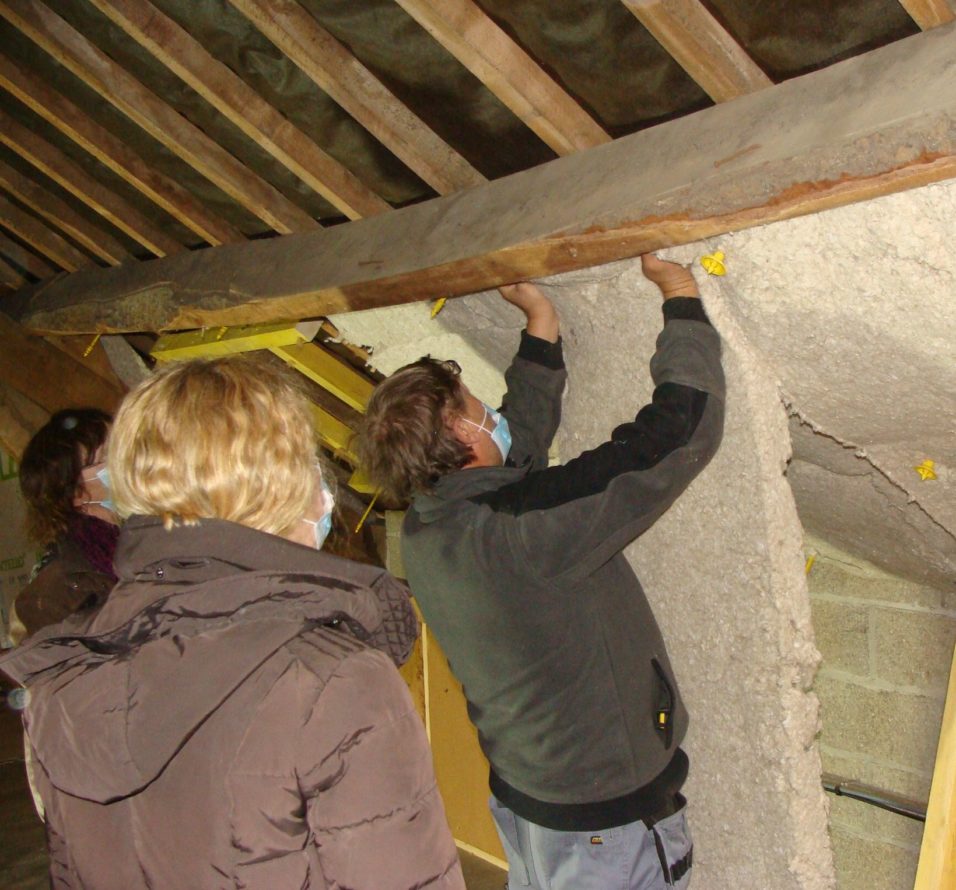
x=132 y=131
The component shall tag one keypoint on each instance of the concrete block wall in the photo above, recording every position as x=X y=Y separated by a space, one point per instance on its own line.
x=887 y=645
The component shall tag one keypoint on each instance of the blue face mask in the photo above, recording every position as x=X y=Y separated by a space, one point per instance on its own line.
x=102 y=475
x=500 y=434
x=322 y=526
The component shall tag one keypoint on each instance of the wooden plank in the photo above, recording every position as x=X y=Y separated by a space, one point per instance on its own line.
x=59 y=213
x=929 y=13
x=937 y=859
x=473 y=38
x=349 y=83
x=41 y=237
x=20 y=419
x=80 y=184
x=20 y=256
x=701 y=46
x=48 y=376
x=329 y=371
x=98 y=71
x=232 y=97
x=10 y=278
x=206 y=343
x=114 y=154
x=460 y=767
x=88 y=351
x=875 y=124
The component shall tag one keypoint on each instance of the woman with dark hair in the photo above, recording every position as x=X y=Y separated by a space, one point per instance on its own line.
x=62 y=478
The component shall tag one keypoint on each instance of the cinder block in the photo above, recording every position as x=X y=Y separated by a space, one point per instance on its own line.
x=898 y=727
x=828 y=576
x=913 y=648
x=866 y=864
x=866 y=819
x=840 y=630
x=911 y=783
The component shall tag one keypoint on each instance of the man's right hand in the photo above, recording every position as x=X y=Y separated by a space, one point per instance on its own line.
x=673 y=279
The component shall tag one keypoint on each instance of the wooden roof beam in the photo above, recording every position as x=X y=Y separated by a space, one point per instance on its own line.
x=47 y=375
x=701 y=46
x=232 y=97
x=472 y=37
x=25 y=259
x=929 y=13
x=98 y=71
x=40 y=237
x=349 y=83
x=878 y=123
x=61 y=215
x=80 y=184
x=10 y=278
x=115 y=155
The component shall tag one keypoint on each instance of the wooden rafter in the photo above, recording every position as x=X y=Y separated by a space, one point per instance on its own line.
x=10 y=278
x=20 y=419
x=233 y=98
x=472 y=37
x=41 y=237
x=929 y=13
x=49 y=376
x=875 y=124
x=98 y=71
x=701 y=46
x=114 y=154
x=77 y=182
x=60 y=214
x=20 y=256
x=349 y=83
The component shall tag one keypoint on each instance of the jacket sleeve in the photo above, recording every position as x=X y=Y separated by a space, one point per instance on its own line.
x=532 y=403
x=365 y=770
x=572 y=518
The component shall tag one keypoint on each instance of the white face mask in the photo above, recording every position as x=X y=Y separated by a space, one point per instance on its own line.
x=500 y=433
x=323 y=525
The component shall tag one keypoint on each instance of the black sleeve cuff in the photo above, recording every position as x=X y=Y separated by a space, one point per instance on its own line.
x=685 y=309
x=541 y=352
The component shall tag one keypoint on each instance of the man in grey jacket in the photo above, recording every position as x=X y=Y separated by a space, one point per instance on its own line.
x=518 y=569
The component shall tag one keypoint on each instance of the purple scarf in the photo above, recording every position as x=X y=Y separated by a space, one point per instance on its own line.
x=96 y=539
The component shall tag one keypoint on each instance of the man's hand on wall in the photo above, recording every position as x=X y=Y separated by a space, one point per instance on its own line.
x=672 y=278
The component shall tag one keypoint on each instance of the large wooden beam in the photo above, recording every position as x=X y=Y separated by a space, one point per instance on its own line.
x=48 y=376
x=929 y=13
x=875 y=124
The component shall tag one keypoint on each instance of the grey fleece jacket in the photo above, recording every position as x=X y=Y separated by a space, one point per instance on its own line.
x=519 y=572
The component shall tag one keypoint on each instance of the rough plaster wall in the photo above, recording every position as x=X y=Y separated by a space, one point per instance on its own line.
x=746 y=656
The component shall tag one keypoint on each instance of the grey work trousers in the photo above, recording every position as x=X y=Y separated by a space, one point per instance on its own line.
x=628 y=857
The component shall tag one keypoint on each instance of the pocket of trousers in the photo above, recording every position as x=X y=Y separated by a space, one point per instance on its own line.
x=675 y=848
x=508 y=833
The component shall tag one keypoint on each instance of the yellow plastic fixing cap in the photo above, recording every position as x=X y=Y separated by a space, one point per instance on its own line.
x=713 y=263
x=926 y=470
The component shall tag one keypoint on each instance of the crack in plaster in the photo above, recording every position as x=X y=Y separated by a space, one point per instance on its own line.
x=862 y=454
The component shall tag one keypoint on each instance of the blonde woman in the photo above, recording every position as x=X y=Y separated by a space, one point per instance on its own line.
x=232 y=716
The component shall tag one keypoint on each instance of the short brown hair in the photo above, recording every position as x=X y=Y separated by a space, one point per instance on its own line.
x=224 y=438
x=52 y=465
x=404 y=442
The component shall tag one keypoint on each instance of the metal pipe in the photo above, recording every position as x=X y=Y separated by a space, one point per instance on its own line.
x=886 y=800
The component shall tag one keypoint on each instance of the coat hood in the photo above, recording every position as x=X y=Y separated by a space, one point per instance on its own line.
x=197 y=609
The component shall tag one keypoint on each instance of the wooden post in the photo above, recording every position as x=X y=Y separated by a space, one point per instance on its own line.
x=937 y=858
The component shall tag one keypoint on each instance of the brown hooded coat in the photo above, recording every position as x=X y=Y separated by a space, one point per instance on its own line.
x=220 y=723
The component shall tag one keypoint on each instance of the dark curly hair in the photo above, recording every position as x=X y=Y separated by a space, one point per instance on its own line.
x=403 y=442
x=51 y=468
